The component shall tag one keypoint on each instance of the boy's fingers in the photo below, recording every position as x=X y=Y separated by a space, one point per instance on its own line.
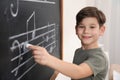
x=33 y=47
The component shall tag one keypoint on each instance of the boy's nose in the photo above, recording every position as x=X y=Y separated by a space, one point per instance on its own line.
x=86 y=30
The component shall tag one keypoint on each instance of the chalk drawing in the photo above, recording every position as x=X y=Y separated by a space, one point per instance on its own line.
x=48 y=38
x=12 y=6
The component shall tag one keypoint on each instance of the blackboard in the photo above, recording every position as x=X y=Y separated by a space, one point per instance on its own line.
x=36 y=22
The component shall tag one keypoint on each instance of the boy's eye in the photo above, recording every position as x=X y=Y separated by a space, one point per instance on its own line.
x=92 y=26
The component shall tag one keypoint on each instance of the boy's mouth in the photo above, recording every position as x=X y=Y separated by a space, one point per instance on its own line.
x=86 y=37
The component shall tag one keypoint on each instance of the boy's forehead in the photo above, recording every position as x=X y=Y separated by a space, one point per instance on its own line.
x=89 y=20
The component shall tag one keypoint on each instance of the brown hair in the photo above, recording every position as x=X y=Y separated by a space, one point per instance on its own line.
x=90 y=12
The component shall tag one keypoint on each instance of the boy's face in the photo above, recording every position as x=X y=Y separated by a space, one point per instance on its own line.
x=88 y=31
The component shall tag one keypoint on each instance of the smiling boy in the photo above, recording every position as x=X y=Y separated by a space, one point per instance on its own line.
x=90 y=62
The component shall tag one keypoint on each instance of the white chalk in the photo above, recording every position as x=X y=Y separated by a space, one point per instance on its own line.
x=27 y=45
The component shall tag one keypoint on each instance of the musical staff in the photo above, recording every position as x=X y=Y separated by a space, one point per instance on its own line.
x=52 y=45
x=26 y=71
x=18 y=49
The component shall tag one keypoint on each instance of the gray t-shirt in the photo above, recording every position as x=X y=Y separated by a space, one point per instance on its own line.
x=96 y=59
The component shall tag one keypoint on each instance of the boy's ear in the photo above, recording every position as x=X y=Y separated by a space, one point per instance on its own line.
x=102 y=30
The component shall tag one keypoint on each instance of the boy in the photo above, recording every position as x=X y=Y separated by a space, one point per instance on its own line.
x=89 y=62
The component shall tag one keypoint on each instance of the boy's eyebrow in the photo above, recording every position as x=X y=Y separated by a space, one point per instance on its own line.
x=93 y=24
x=80 y=24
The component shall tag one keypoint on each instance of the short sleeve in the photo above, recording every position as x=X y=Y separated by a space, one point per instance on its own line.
x=96 y=62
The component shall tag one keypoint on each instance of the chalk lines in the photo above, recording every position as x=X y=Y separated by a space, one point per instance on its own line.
x=40 y=1
x=21 y=46
x=48 y=36
x=26 y=71
x=19 y=49
x=25 y=33
x=14 y=10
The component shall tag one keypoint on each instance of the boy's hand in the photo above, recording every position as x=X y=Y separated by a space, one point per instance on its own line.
x=40 y=54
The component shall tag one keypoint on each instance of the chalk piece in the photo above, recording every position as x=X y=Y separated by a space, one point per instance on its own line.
x=27 y=45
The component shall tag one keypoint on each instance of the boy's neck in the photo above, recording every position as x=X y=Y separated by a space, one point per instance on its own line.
x=85 y=47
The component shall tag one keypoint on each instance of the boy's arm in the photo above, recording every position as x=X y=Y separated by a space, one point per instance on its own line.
x=74 y=71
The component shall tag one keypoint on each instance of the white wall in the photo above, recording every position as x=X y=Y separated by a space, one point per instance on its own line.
x=105 y=6
x=70 y=40
x=111 y=38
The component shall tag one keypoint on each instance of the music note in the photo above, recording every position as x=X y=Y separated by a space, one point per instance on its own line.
x=31 y=19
